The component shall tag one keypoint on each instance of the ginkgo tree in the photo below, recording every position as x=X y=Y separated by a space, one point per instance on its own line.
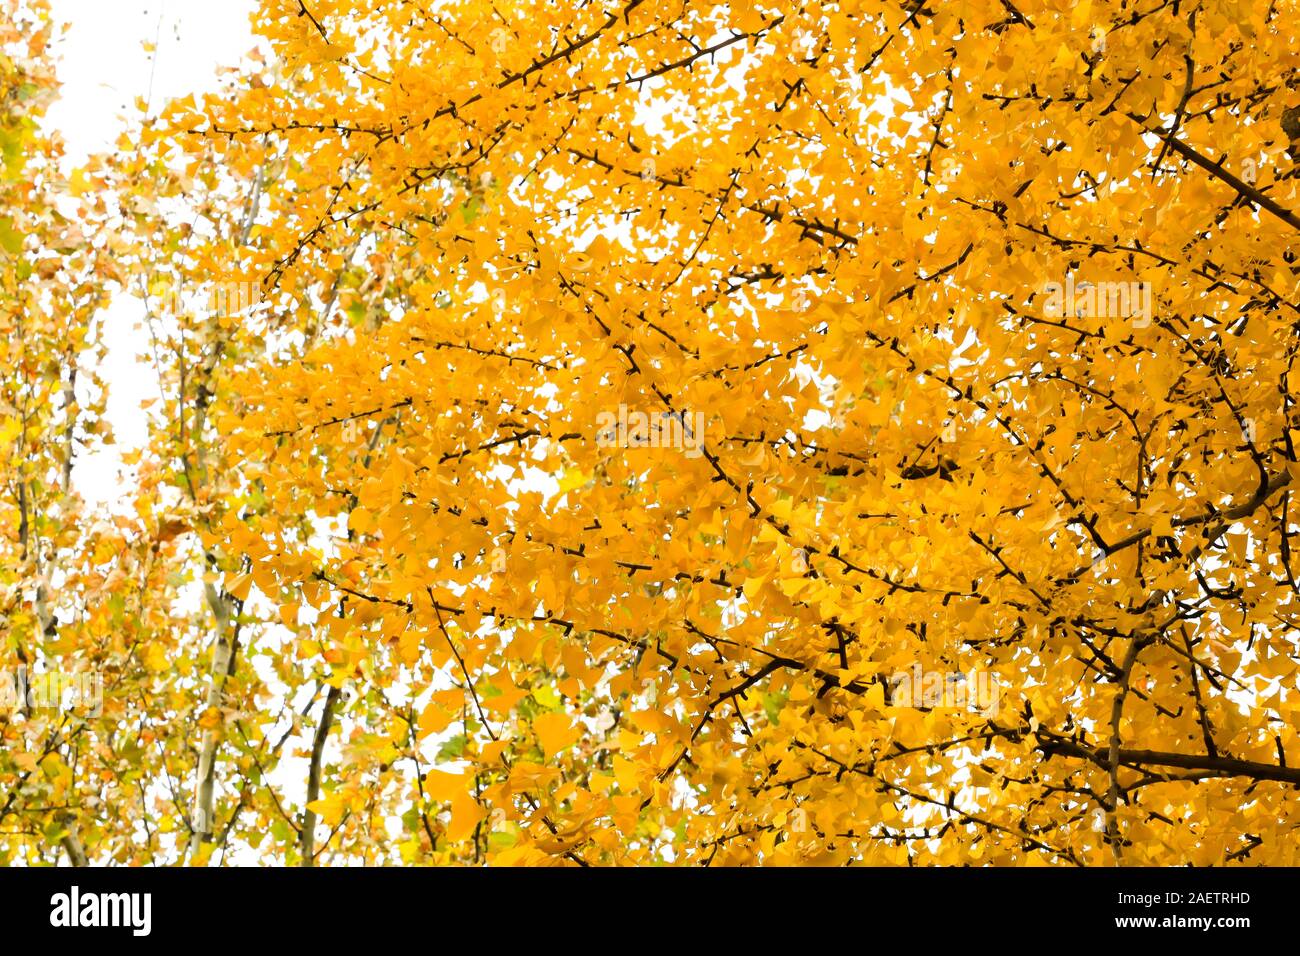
x=86 y=591
x=705 y=433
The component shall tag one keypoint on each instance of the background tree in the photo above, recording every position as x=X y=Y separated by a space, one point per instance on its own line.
x=84 y=590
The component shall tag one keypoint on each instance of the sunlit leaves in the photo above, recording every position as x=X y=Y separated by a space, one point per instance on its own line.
x=717 y=436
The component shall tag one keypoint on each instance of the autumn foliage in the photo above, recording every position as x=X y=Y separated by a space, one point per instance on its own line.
x=698 y=433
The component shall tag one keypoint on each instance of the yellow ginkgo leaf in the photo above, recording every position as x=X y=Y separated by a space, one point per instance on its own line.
x=555 y=732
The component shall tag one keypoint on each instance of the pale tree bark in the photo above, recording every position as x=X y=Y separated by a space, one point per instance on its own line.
x=71 y=840
x=307 y=835
x=72 y=843
x=202 y=821
x=220 y=603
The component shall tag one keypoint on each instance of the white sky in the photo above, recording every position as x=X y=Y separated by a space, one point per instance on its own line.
x=104 y=67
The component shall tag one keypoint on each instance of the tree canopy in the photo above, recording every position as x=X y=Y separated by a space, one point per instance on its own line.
x=692 y=433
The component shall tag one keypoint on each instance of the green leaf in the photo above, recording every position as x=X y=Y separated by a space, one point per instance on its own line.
x=13 y=148
x=470 y=211
x=772 y=704
x=11 y=240
x=546 y=695
x=452 y=749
